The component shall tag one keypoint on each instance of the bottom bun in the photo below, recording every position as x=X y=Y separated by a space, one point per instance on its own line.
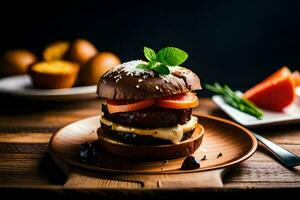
x=153 y=152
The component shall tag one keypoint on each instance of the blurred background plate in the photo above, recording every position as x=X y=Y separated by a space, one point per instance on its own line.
x=290 y=114
x=21 y=86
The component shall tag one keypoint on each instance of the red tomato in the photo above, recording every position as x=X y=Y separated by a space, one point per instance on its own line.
x=180 y=101
x=115 y=106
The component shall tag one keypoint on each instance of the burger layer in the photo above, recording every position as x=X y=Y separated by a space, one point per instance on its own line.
x=155 y=136
x=131 y=138
x=152 y=117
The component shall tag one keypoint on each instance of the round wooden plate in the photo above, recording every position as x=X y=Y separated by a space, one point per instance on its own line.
x=224 y=144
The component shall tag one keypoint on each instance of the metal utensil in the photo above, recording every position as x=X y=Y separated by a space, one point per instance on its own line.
x=286 y=157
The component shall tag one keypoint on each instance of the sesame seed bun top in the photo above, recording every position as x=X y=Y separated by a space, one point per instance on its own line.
x=127 y=82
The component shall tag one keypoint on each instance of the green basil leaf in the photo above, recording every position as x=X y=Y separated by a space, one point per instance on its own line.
x=161 y=69
x=143 y=66
x=149 y=54
x=171 y=56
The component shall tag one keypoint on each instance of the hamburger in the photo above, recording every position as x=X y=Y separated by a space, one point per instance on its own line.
x=147 y=106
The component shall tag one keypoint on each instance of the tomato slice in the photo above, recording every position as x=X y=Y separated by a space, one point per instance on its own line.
x=115 y=106
x=180 y=101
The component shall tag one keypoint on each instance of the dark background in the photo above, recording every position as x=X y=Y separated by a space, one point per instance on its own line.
x=234 y=42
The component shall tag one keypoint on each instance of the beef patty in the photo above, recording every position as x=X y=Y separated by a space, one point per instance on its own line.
x=152 y=117
x=131 y=138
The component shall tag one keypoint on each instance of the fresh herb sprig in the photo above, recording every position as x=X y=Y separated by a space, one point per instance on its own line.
x=235 y=100
x=165 y=58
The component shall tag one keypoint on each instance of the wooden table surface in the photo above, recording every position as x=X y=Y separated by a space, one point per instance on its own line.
x=26 y=127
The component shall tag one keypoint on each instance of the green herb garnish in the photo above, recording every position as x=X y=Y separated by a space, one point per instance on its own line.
x=235 y=100
x=149 y=54
x=165 y=58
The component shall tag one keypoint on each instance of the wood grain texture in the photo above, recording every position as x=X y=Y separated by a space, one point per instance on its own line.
x=25 y=137
x=209 y=179
x=26 y=164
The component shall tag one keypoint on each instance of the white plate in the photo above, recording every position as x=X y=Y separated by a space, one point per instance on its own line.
x=21 y=86
x=290 y=114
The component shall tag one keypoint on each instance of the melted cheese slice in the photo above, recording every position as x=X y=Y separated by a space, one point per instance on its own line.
x=174 y=133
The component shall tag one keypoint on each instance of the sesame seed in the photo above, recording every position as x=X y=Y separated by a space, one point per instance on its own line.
x=157 y=87
x=137 y=86
x=140 y=80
